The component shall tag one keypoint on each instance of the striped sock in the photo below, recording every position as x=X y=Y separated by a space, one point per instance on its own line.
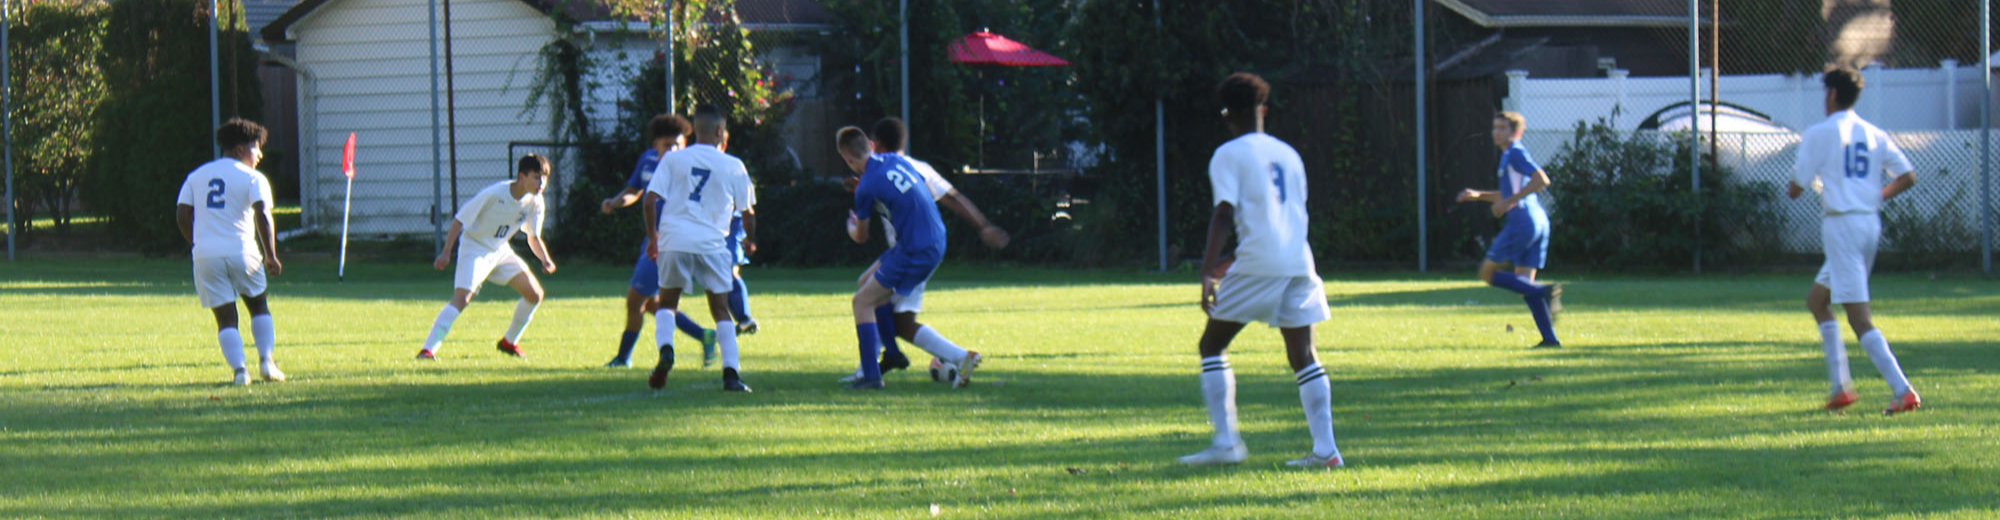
x=1317 y=397
x=1218 y=390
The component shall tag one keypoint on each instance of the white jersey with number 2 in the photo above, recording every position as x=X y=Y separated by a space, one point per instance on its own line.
x=221 y=193
x=1852 y=160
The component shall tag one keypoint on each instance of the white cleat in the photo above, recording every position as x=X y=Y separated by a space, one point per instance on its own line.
x=1218 y=456
x=1316 y=461
x=965 y=366
x=272 y=374
x=242 y=378
x=852 y=378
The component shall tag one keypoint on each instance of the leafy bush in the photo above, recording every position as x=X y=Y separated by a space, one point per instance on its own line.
x=1625 y=200
x=154 y=125
x=57 y=90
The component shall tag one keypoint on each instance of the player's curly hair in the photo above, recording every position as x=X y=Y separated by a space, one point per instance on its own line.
x=889 y=133
x=1242 y=91
x=1846 y=84
x=238 y=132
x=668 y=126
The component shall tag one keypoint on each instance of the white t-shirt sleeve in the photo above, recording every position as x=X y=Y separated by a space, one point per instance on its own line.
x=1893 y=159
x=1812 y=150
x=533 y=225
x=261 y=193
x=1222 y=178
x=468 y=213
x=746 y=196
x=187 y=192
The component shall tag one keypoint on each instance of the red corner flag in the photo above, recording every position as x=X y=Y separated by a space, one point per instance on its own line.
x=347 y=158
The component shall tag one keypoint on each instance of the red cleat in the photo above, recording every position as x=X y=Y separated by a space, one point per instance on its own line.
x=1841 y=400
x=1904 y=403
x=426 y=355
x=509 y=348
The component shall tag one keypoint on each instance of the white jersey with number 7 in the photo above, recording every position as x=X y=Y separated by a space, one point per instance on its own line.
x=700 y=189
x=1852 y=160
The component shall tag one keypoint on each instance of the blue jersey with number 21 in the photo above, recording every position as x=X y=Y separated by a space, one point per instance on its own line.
x=891 y=187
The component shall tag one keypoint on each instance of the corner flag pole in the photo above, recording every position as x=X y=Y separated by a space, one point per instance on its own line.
x=346 y=168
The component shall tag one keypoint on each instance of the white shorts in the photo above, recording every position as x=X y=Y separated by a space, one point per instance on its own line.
x=1281 y=301
x=680 y=270
x=1850 y=241
x=498 y=267
x=221 y=280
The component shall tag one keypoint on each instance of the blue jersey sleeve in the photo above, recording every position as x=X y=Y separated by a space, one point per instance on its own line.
x=643 y=172
x=1518 y=160
x=864 y=196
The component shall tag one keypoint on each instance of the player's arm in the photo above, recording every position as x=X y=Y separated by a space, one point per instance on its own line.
x=541 y=251
x=267 y=237
x=650 y=204
x=1470 y=195
x=1805 y=167
x=450 y=241
x=857 y=228
x=749 y=244
x=1214 y=263
x=1898 y=164
x=863 y=211
x=1536 y=183
x=184 y=214
x=624 y=198
x=992 y=235
x=1902 y=183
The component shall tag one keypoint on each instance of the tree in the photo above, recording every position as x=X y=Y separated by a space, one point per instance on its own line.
x=57 y=89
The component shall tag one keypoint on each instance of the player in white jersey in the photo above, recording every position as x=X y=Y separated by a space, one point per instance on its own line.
x=899 y=319
x=224 y=210
x=693 y=195
x=481 y=230
x=1847 y=159
x=1260 y=193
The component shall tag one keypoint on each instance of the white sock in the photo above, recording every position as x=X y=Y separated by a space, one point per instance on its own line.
x=232 y=346
x=443 y=326
x=928 y=339
x=1836 y=357
x=663 y=328
x=1218 y=388
x=725 y=335
x=267 y=336
x=1317 y=397
x=1885 y=361
x=523 y=312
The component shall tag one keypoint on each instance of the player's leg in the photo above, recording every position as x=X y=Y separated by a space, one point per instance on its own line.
x=927 y=338
x=637 y=305
x=1541 y=306
x=739 y=301
x=669 y=303
x=872 y=294
x=265 y=331
x=715 y=273
x=1218 y=393
x=1302 y=307
x=472 y=271
x=217 y=292
x=530 y=289
x=231 y=340
x=1819 y=301
x=1902 y=398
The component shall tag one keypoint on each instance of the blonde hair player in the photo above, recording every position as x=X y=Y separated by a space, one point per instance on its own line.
x=480 y=230
x=1523 y=242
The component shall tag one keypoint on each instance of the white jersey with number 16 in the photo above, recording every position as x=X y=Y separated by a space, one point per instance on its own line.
x=1852 y=160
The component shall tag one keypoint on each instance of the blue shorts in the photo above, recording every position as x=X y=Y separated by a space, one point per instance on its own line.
x=733 y=242
x=903 y=272
x=645 y=274
x=1524 y=243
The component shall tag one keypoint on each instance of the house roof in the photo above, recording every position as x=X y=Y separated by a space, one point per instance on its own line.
x=754 y=14
x=1571 y=13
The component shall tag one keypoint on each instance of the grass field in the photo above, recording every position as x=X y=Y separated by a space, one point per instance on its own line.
x=1677 y=398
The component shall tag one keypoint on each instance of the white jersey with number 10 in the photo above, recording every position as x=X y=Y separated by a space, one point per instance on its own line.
x=494 y=215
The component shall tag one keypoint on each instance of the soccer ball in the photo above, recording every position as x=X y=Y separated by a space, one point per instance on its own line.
x=943 y=371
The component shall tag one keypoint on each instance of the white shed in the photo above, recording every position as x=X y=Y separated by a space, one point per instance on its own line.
x=367 y=70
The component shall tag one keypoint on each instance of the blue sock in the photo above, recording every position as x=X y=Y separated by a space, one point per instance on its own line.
x=871 y=368
x=885 y=327
x=625 y=343
x=688 y=326
x=1516 y=283
x=1540 y=308
x=739 y=301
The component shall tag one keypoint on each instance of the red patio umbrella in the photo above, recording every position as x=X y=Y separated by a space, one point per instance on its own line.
x=985 y=48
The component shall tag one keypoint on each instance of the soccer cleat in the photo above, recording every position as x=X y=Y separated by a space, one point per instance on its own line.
x=1548 y=344
x=619 y=363
x=965 y=367
x=733 y=383
x=1218 y=456
x=895 y=361
x=509 y=348
x=425 y=355
x=1555 y=298
x=1841 y=399
x=746 y=327
x=707 y=348
x=271 y=372
x=851 y=377
x=1908 y=402
x=865 y=384
x=242 y=378
x=659 y=378
x=1315 y=461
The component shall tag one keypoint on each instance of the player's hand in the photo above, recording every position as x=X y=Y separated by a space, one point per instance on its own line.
x=749 y=247
x=548 y=267
x=1468 y=195
x=994 y=237
x=850 y=183
x=605 y=207
x=854 y=226
x=1501 y=208
x=1208 y=293
x=443 y=259
x=271 y=264
x=653 y=247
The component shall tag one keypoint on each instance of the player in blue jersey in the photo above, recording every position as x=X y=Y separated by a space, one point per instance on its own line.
x=891 y=188
x=669 y=133
x=1524 y=236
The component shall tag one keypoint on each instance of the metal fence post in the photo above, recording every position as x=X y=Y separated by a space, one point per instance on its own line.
x=1986 y=135
x=214 y=83
x=1694 y=106
x=1423 y=219
x=7 y=128
x=1160 y=155
x=903 y=7
x=437 y=142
